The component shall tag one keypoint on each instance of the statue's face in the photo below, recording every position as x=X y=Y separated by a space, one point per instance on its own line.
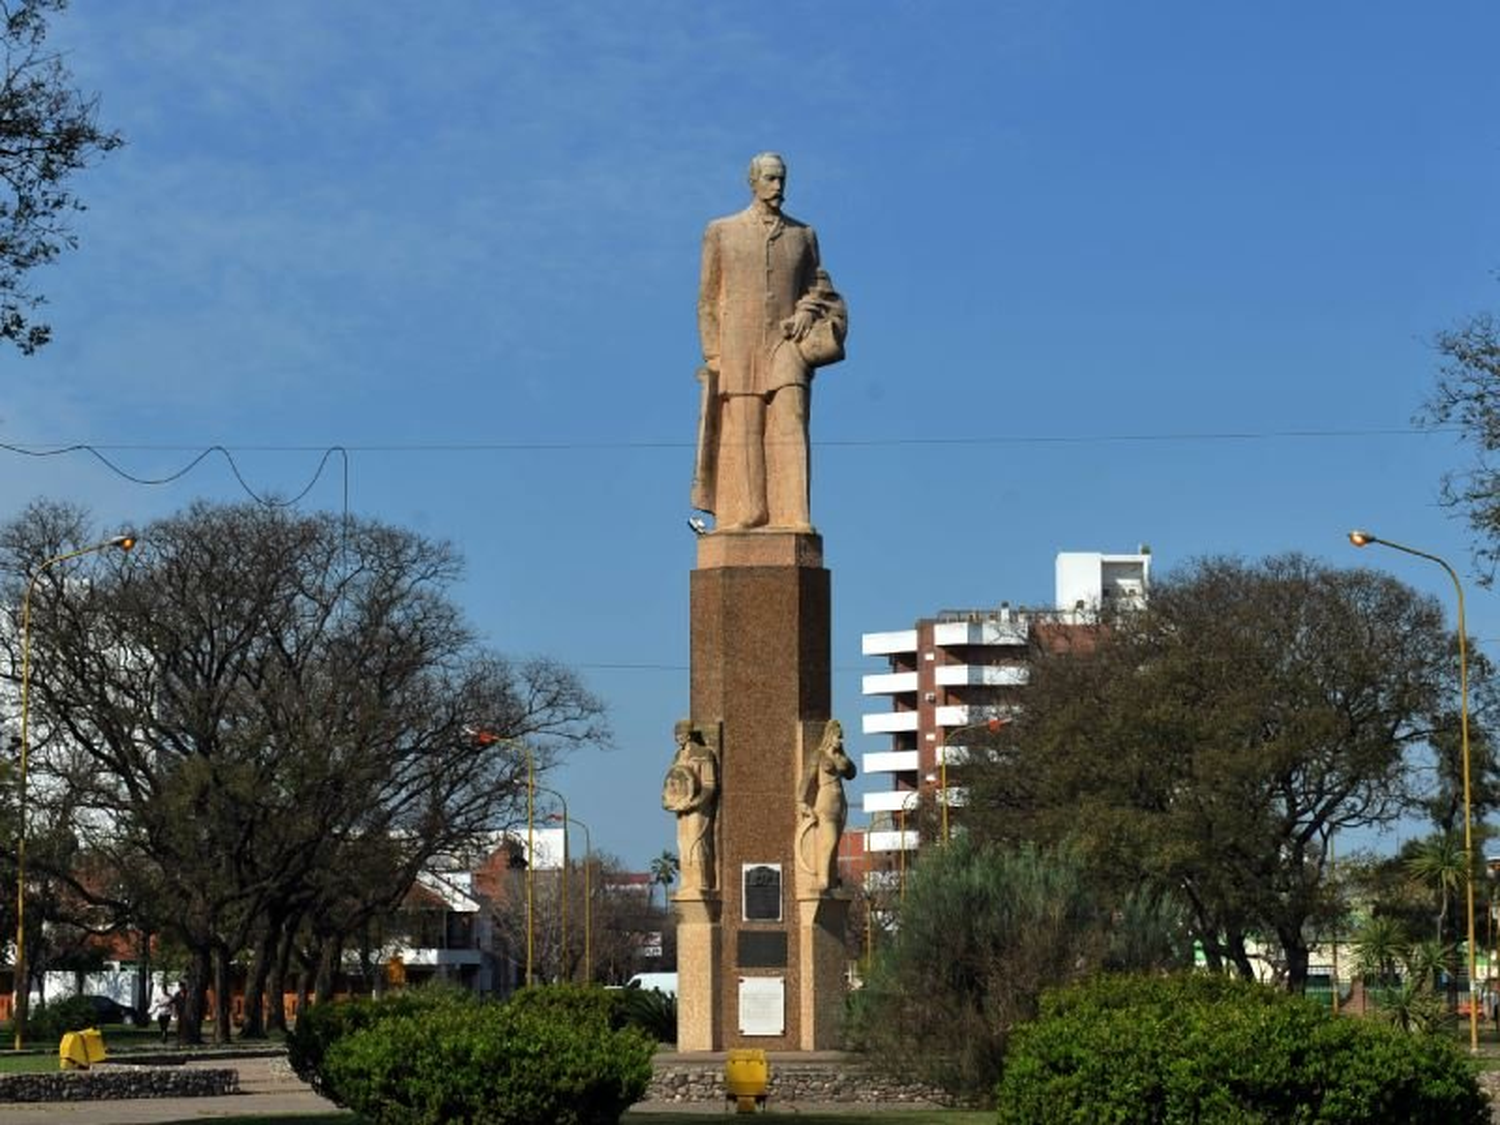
x=769 y=183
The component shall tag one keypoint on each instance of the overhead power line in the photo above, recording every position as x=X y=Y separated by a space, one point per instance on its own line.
x=96 y=449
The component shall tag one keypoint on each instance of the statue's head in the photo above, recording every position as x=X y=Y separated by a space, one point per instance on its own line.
x=833 y=737
x=682 y=731
x=768 y=179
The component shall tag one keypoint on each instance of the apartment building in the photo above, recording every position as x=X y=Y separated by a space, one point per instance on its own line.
x=950 y=675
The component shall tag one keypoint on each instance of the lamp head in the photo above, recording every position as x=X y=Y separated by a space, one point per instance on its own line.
x=124 y=542
x=1361 y=538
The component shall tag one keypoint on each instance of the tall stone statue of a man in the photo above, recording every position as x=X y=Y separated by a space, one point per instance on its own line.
x=768 y=316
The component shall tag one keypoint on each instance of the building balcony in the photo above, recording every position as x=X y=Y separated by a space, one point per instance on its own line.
x=978 y=675
x=986 y=631
x=891 y=800
x=889 y=683
x=893 y=841
x=966 y=714
x=889 y=722
x=891 y=761
x=888 y=644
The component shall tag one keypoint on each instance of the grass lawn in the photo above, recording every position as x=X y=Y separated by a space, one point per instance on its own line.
x=872 y=1117
x=27 y=1063
x=851 y=1117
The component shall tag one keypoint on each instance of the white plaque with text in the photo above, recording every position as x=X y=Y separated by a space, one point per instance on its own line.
x=762 y=1005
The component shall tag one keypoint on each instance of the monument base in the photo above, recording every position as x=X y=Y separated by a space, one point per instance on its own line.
x=699 y=941
x=821 y=925
x=761 y=688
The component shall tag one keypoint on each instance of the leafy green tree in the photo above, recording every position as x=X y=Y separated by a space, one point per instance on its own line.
x=982 y=931
x=48 y=131
x=1214 y=741
x=1467 y=396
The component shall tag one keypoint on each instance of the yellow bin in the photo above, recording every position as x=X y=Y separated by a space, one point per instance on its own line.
x=80 y=1050
x=747 y=1076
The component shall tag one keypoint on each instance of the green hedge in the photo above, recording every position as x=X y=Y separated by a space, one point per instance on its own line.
x=48 y=1023
x=549 y=1055
x=318 y=1027
x=1208 y=1050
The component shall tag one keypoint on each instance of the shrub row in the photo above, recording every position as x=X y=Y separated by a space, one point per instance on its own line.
x=423 y=1058
x=1208 y=1049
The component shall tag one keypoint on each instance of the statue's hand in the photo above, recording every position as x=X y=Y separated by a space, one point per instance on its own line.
x=799 y=325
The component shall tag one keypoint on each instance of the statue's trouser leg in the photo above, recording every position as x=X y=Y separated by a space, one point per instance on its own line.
x=741 y=495
x=787 y=458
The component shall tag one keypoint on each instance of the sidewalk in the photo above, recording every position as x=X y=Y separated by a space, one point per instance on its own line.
x=267 y=1086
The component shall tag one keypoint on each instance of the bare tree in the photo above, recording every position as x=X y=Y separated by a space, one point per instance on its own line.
x=48 y=131
x=264 y=718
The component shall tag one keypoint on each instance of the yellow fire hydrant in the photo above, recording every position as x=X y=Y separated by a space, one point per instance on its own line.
x=747 y=1077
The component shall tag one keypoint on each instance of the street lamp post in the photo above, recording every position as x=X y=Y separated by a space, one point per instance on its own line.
x=992 y=725
x=490 y=738
x=588 y=899
x=124 y=543
x=1364 y=539
x=565 y=818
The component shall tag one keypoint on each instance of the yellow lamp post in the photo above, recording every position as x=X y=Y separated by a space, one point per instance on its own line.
x=124 y=543
x=588 y=897
x=564 y=819
x=1364 y=539
x=490 y=738
x=992 y=725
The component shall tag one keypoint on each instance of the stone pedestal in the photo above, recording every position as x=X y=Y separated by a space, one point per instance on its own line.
x=761 y=676
x=821 y=925
x=699 y=956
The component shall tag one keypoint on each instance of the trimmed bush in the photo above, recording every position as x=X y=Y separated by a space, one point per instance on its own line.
x=1208 y=1050
x=549 y=1055
x=321 y=1025
x=50 y=1022
x=588 y=1003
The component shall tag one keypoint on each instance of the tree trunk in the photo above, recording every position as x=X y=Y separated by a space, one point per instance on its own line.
x=330 y=952
x=304 y=981
x=1294 y=948
x=366 y=961
x=255 y=983
x=142 y=992
x=223 y=1002
x=190 y=1023
x=1240 y=957
x=276 y=983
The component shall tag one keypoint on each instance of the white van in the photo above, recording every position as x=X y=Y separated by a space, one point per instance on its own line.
x=662 y=982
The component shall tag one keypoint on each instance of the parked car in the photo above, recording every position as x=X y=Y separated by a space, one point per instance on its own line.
x=108 y=1010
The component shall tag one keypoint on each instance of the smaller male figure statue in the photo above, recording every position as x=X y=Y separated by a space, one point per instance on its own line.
x=691 y=790
x=824 y=810
x=767 y=315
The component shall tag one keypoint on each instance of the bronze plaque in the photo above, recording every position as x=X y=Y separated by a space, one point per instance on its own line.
x=762 y=892
x=761 y=949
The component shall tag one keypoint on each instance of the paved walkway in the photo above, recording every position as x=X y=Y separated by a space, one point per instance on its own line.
x=269 y=1087
x=266 y=1085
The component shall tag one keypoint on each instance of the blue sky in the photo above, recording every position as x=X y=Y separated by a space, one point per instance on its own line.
x=1082 y=245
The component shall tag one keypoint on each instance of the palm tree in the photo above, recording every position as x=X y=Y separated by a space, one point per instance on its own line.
x=1380 y=946
x=664 y=869
x=1440 y=863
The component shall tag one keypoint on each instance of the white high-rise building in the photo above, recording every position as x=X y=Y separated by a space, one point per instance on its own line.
x=948 y=675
